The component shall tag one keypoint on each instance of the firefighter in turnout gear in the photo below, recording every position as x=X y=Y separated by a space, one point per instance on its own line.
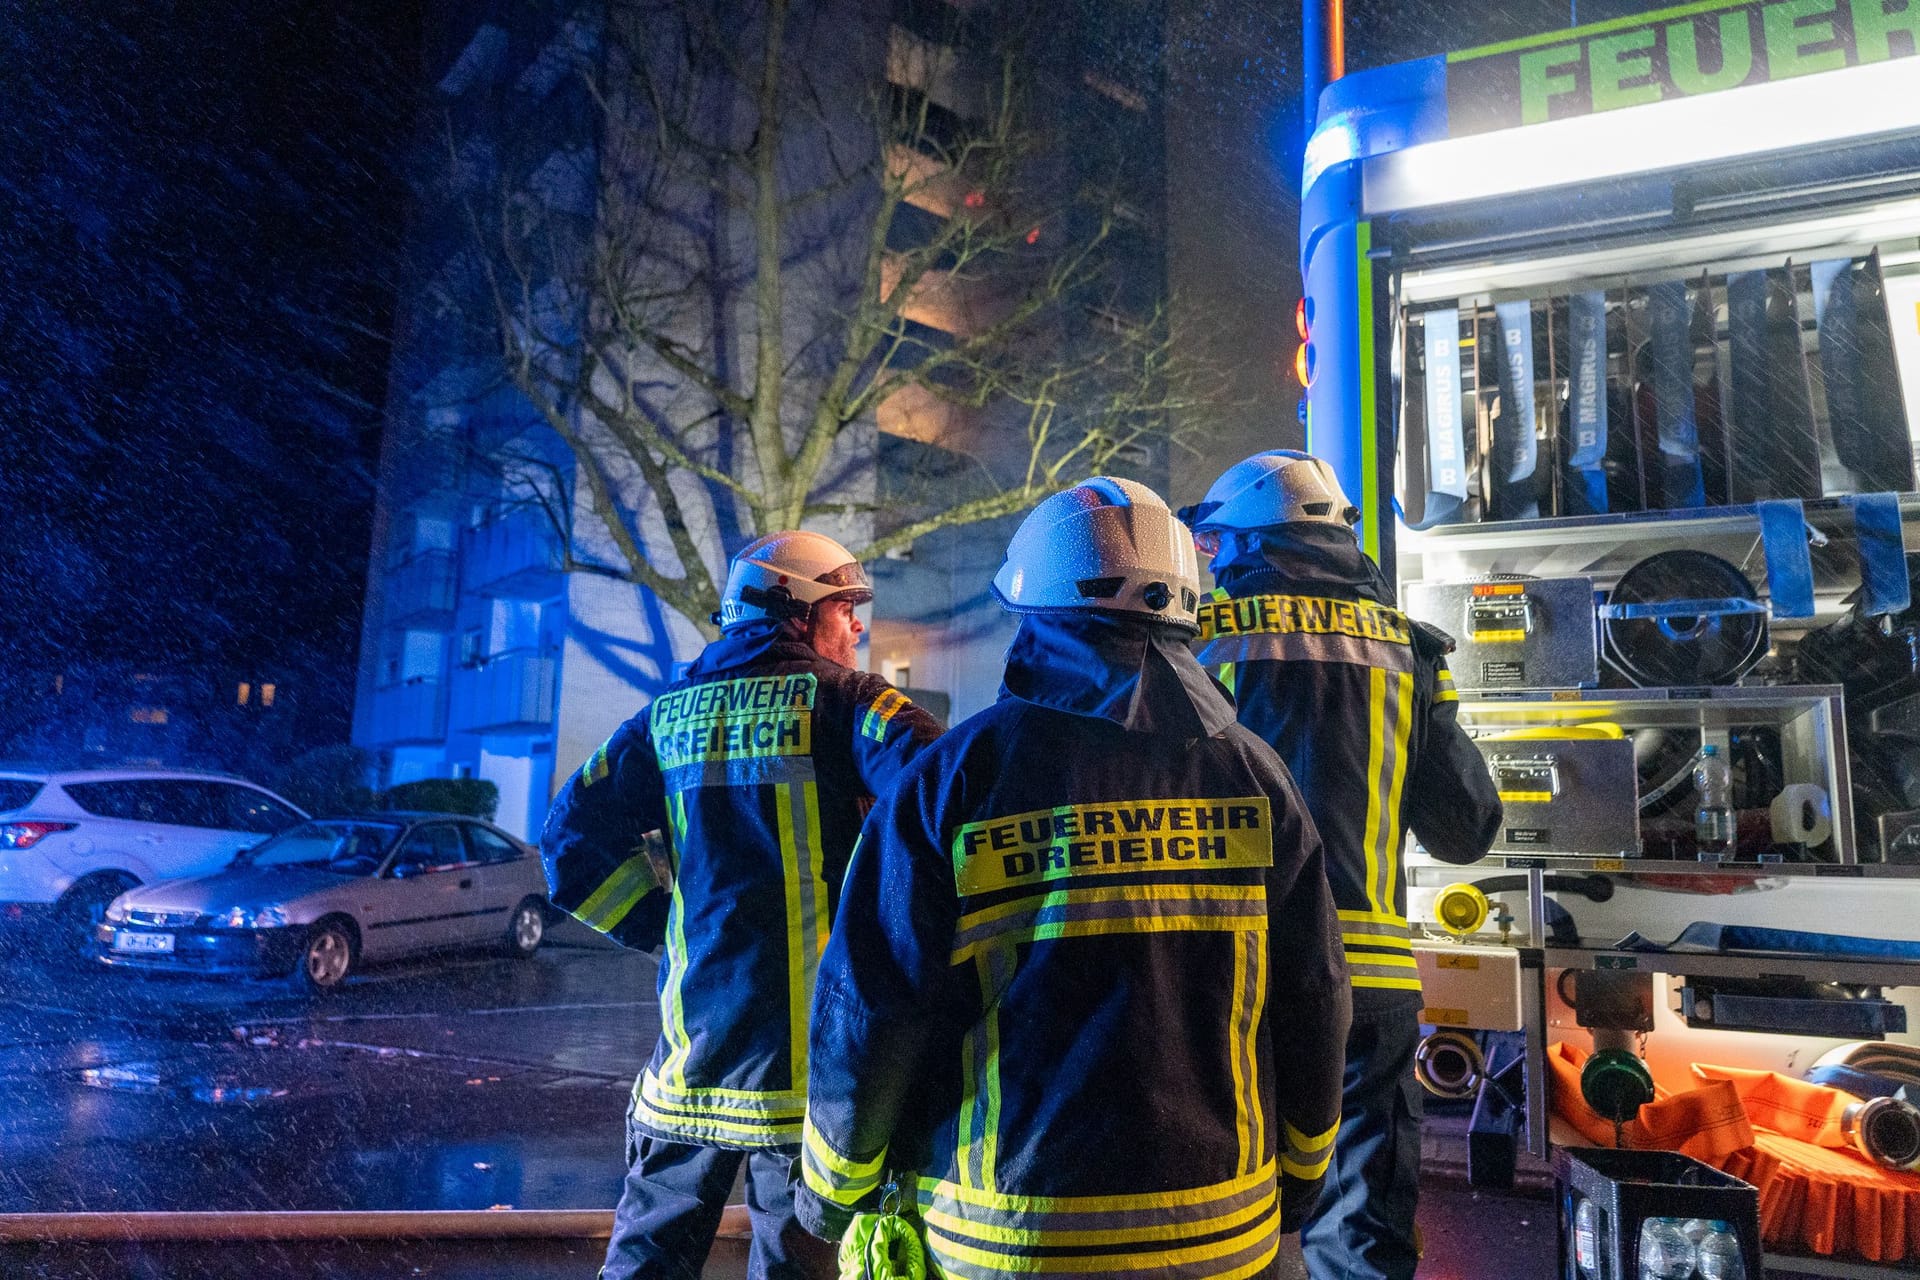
x=1359 y=703
x=758 y=766
x=1084 y=999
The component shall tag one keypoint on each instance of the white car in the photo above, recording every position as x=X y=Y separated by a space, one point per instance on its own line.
x=320 y=899
x=71 y=842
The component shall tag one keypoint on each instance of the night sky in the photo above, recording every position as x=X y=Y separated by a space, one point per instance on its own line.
x=200 y=211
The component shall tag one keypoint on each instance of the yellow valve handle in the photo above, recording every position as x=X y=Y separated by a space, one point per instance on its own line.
x=1461 y=909
x=882 y=1246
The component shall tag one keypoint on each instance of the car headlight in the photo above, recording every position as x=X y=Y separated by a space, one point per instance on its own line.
x=250 y=918
x=116 y=912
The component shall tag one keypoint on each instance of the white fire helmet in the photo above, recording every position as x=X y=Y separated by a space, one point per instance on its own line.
x=1106 y=545
x=783 y=575
x=1280 y=486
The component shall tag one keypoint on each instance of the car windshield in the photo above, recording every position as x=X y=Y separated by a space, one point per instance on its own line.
x=350 y=848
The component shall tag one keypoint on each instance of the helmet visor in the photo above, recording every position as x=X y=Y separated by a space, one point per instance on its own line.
x=851 y=580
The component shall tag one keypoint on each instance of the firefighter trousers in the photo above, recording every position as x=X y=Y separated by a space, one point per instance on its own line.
x=670 y=1209
x=1362 y=1228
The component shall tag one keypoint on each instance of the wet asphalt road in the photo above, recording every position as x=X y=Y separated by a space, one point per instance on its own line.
x=463 y=1082
x=460 y=1083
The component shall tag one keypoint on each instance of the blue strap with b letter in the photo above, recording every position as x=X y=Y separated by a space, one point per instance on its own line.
x=1783 y=532
x=1884 y=585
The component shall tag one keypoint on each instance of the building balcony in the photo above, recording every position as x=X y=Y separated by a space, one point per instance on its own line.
x=511 y=692
x=413 y=712
x=513 y=557
x=421 y=590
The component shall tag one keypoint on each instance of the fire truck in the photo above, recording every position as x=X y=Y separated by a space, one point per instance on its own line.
x=1613 y=334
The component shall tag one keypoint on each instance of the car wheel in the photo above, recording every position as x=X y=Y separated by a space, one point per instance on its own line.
x=84 y=906
x=526 y=927
x=327 y=958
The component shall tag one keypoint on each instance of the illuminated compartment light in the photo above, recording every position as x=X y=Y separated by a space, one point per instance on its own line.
x=1810 y=111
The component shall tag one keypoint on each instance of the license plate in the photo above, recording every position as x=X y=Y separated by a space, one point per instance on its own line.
x=125 y=941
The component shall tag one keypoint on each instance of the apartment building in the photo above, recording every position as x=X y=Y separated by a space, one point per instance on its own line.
x=481 y=657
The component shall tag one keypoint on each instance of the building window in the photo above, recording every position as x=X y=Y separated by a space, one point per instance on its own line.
x=148 y=715
x=266 y=695
x=245 y=695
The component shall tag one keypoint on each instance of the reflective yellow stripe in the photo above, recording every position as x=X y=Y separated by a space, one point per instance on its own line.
x=1003 y=1202
x=995 y=971
x=1229 y=676
x=1390 y=727
x=1307 y=1155
x=1111 y=926
x=1372 y=917
x=749 y=1103
x=1391 y=961
x=884 y=709
x=1374 y=940
x=1297 y=1169
x=1250 y=976
x=596 y=766
x=828 y=1173
x=967 y=1117
x=1236 y=1064
x=1043 y=1237
x=1376 y=762
x=1393 y=984
x=943 y=1244
x=1129 y=893
x=1397 y=781
x=1307 y=1144
x=741 y=1116
x=608 y=905
x=1135 y=909
x=766 y=1133
x=797 y=940
x=673 y=1017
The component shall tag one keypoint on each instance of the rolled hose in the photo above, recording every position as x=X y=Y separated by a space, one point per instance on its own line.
x=1448 y=1064
x=1886 y=1130
x=1899 y=1063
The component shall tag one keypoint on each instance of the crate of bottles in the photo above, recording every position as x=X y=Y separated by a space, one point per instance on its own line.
x=1653 y=1215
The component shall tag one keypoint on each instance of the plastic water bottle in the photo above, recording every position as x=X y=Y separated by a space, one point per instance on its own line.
x=1713 y=816
x=1665 y=1251
x=1719 y=1255
x=1586 y=1239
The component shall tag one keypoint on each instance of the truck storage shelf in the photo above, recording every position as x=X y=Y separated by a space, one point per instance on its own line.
x=1426 y=870
x=1696 y=708
x=1695 y=964
x=1829 y=515
x=1603 y=547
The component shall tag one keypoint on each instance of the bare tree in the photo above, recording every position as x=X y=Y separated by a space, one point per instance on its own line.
x=803 y=220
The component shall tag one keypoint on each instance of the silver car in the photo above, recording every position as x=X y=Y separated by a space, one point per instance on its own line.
x=323 y=898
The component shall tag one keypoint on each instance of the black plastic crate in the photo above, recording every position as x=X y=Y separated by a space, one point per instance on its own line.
x=1629 y=1187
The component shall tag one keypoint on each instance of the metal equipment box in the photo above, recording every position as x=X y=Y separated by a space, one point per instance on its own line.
x=1530 y=633
x=1469 y=986
x=1565 y=795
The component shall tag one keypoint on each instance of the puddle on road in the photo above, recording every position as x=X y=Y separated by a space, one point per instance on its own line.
x=272 y=1062
x=157 y=1079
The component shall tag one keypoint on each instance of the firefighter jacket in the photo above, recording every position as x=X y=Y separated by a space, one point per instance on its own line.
x=1086 y=982
x=1360 y=704
x=758 y=765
